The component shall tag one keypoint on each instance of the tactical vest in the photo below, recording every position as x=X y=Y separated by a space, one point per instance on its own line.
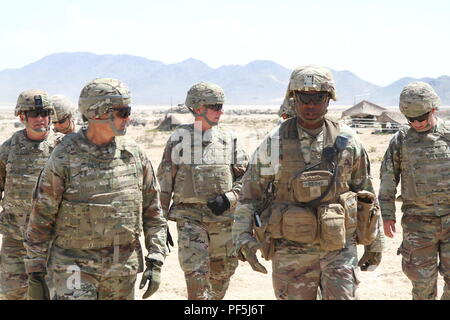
x=426 y=167
x=292 y=162
x=26 y=159
x=195 y=183
x=102 y=204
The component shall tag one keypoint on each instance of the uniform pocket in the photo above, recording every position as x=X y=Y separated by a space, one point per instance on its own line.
x=299 y=224
x=332 y=226
x=350 y=205
x=368 y=216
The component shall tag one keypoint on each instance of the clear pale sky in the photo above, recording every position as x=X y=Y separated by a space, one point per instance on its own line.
x=380 y=41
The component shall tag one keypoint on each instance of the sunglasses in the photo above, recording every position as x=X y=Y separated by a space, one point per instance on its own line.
x=419 y=118
x=316 y=98
x=37 y=113
x=215 y=107
x=123 y=112
x=61 y=121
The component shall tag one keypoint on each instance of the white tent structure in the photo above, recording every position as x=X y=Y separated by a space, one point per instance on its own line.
x=364 y=109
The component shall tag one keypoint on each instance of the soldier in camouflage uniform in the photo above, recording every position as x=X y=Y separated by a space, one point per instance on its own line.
x=286 y=110
x=22 y=157
x=95 y=195
x=308 y=198
x=200 y=172
x=419 y=156
x=64 y=114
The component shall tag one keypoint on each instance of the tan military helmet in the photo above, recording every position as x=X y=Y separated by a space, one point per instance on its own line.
x=311 y=77
x=418 y=98
x=101 y=95
x=204 y=93
x=63 y=108
x=32 y=100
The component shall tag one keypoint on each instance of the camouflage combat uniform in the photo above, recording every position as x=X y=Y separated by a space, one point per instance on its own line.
x=309 y=221
x=300 y=269
x=206 y=252
x=90 y=206
x=21 y=161
x=421 y=162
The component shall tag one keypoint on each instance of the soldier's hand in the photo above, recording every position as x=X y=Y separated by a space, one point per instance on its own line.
x=389 y=228
x=249 y=253
x=152 y=274
x=370 y=260
x=37 y=287
x=219 y=204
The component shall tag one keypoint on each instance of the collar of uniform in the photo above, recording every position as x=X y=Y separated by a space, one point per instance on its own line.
x=309 y=133
x=101 y=151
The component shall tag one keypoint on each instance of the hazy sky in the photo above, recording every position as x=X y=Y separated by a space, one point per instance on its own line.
x=380 y=41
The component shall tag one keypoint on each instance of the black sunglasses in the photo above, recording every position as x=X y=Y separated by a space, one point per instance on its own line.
x=61 y=121
x=37 y=113
x=215 y=107
x=123 y=112
x=315 y=98
x=419 y=118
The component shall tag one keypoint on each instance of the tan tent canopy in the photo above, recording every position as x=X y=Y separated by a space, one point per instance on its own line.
x=363 y=109
x=392 y=117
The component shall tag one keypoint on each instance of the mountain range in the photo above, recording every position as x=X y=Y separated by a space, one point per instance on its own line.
x=261 y=82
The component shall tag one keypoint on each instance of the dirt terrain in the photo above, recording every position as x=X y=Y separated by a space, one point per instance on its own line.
x=385 y=283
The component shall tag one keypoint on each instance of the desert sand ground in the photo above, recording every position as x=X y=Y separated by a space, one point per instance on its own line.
x=387 y=282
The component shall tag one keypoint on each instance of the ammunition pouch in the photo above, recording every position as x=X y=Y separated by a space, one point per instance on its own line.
x=332 y=226
x=368 y=216
x=211 y=180
x=348 y=200
x=299 y=224
x=311 y=185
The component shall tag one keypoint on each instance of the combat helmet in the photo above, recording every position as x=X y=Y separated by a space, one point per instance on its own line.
x=63 y=107
x=311 y=77
x=418 y=98
x=33 y=99
x=101 y=95
x=204 y=93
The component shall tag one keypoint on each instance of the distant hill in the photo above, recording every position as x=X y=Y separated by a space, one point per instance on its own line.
x=156 y=83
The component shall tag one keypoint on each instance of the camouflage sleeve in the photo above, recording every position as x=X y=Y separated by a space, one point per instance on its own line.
x=389 y=179
x=166 y=174
x=46 y=200
x=239 y=166
x=362 y=180
x=258 y=174
x=4 y=152
x=154 y=222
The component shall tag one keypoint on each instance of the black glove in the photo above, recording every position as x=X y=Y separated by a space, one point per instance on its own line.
x=152 y=274
x=37 y=287
x=369 y=259
x=219 y=204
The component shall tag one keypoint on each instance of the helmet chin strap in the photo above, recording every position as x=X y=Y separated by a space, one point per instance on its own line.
x=211 y=123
